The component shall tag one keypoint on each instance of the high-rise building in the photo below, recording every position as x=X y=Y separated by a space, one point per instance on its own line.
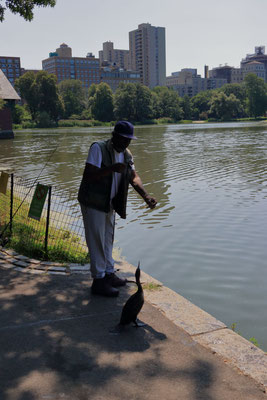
x=86 y=69
x=11 y=68
x=114 y=57
x=148 y=54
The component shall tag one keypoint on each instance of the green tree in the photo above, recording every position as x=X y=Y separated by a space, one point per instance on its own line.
x=24 y=7
x=102 y=103
x=26 y=85
x=92 y=90
x=186 y=107
x=90 y=96
x=143 y=103
x=239 y=90
x=201 y=103
x=49 y=99
x=257 y=95
x=224 y=107
x=19 y=114
x=73 y=96
x=133 y=102
x=155 y=103
x=168 y=103
x=41 y=94
x=125 y=102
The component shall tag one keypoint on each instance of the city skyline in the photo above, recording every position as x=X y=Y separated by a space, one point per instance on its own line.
x=196 y=34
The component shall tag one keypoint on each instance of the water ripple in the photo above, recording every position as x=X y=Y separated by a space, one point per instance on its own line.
x=207 y=237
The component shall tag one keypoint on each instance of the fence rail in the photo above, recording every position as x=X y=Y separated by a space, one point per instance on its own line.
x=58 y=236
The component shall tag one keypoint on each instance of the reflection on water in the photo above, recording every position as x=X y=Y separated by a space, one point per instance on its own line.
x=207 y=237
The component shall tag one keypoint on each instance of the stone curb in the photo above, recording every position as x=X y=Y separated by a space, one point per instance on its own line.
x=202 y=327
x=11 y=259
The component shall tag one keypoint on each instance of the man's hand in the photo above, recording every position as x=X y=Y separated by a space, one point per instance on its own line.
x=150 y=201
x=118 y=167
x=93 y=174
x=138 y=186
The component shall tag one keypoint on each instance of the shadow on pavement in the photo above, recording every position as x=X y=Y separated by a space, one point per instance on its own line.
x=55 y=344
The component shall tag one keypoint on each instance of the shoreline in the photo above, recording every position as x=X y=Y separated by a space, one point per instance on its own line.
x=87 y=124
x=203 y=328
x=206 y=330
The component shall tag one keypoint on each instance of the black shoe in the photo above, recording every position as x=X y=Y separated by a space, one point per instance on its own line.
x=115 y=281
x=103 y=287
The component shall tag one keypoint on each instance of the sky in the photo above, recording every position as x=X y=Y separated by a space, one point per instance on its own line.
x=198 y=33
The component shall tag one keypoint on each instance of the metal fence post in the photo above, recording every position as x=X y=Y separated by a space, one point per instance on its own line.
x=11 y=202
x=47 y=219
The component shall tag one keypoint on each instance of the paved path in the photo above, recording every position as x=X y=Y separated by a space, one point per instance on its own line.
x=55 y=343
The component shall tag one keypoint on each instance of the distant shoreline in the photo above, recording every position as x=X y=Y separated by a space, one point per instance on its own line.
x=77 y=123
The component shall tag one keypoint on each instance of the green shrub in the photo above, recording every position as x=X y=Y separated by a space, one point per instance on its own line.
x=44 y=120
x=165 y=120
x=28 y=236
x=147 y=122
x=28 y=125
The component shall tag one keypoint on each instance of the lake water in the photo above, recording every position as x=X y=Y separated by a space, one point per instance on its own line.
x=207 y=238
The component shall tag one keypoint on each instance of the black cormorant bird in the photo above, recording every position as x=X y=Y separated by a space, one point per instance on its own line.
x=134 y=304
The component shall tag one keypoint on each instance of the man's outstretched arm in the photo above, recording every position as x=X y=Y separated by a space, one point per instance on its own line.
x=139 y=188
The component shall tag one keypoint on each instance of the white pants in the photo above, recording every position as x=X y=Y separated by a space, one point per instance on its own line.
x=99 y=233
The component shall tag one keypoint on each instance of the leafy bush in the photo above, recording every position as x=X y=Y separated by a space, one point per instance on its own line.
x=165 y=120
x=44 y=120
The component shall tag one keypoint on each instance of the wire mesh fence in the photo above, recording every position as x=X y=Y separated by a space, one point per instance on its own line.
x=57 y=236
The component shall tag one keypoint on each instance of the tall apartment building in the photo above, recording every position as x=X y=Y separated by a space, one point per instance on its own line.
x=11 y=68
x=148 y=54
x=86 y=69
x=114 y=57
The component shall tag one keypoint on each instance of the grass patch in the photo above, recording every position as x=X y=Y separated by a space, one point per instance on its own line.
x=252 y=339
x=68 y=123
x=28 y=236
x=151 y=286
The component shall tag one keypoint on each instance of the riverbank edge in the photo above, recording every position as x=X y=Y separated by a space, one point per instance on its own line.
x=84 y=124
x=202 y=327
x=205 y=329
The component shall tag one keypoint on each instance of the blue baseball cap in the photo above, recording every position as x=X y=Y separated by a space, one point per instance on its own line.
x=125 y=128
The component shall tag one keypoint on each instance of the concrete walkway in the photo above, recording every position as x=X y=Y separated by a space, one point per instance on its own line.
x=55 y=342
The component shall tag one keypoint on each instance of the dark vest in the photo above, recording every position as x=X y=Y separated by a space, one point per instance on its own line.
x=97 y=194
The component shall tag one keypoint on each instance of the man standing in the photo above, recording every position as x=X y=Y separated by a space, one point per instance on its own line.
x=103 y=191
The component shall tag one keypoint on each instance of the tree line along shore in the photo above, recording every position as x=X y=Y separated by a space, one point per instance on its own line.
x=48 y=104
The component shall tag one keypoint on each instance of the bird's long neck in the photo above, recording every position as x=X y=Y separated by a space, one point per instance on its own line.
x=139 y=286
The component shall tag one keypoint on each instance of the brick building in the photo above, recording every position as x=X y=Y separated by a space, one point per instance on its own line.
x=11 y=68
x=86 y=69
